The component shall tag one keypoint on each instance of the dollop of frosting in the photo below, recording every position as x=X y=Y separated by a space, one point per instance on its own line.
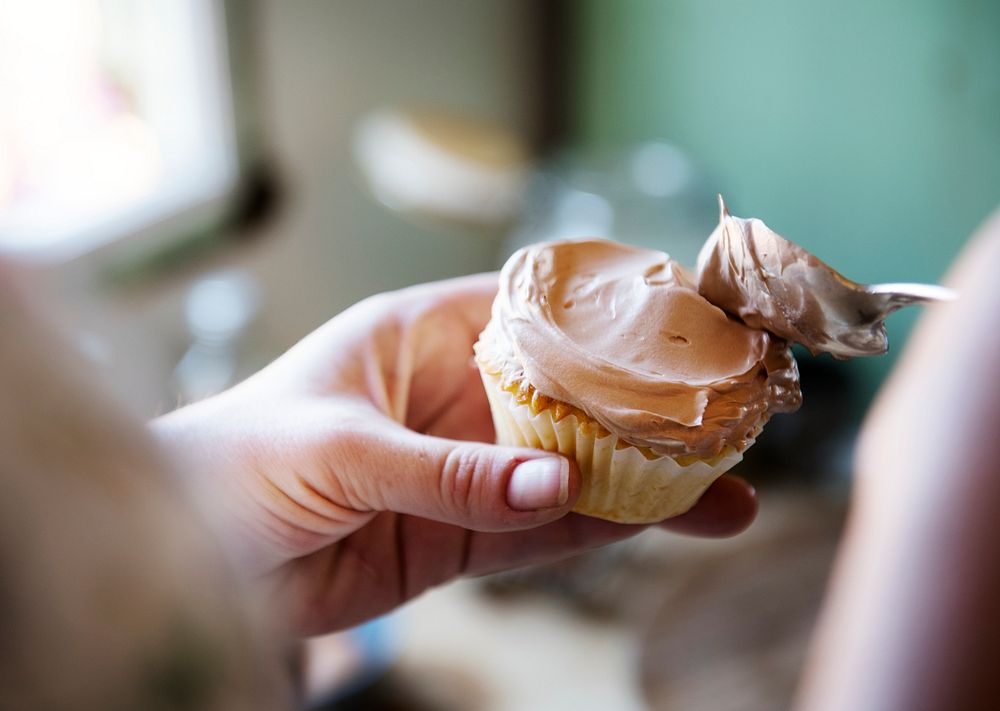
x=623 y=334
x=771 y=283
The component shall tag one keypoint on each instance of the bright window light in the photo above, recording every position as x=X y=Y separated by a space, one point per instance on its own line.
x=114 y=115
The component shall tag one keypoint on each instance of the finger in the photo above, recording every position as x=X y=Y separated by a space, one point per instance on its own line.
x=404 y=555
x=570 y=535
x=475 y=291
x=469 y=484
x=465 y=416
x=725 y=509
x=468 y=297
x=436 y=552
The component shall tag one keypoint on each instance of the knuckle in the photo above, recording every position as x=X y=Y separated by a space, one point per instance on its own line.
x=347 y=449
x=380 y=303
x=346 y=445
x=464 y=482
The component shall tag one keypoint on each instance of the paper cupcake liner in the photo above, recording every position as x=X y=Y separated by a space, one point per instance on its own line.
x=619 y=482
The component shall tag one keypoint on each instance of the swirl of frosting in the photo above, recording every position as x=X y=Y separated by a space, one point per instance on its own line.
x=622 y=334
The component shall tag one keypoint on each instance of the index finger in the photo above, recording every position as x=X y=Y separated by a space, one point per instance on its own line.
x=468 y=296
x=727 y=508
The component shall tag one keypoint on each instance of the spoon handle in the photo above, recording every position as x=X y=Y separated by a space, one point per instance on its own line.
x=913 y=293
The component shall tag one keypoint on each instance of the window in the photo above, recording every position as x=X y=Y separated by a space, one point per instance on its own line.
x=115 y=115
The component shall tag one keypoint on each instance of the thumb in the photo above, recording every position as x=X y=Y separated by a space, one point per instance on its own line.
x=470 y=484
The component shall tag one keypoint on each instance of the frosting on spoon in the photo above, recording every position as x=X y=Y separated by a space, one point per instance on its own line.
x=768 y=282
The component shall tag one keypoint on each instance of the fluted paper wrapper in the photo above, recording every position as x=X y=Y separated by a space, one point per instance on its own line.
x=619 y=482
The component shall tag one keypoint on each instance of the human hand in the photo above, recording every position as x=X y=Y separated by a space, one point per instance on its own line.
x=352 y=471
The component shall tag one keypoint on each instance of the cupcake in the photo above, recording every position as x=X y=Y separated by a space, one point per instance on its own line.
x=613 y=355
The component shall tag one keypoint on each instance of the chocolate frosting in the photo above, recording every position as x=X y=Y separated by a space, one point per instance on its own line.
x=622 y=333
x=768 y=282
x=647 y=349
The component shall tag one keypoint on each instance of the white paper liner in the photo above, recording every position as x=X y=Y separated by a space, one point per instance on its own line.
x=619 y=484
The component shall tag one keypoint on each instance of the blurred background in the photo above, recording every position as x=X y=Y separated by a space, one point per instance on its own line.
x=208 y=180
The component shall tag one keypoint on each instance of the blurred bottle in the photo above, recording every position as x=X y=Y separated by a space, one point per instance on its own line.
x=651 y=194
x=219 y=310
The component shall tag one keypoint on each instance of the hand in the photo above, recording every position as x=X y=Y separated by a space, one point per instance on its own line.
x=352 y=471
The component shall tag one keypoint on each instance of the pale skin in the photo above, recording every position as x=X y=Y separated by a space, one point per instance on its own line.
x=910 y=622
x=355 y=472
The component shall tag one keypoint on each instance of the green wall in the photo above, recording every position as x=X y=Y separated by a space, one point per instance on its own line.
x=866 y=130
